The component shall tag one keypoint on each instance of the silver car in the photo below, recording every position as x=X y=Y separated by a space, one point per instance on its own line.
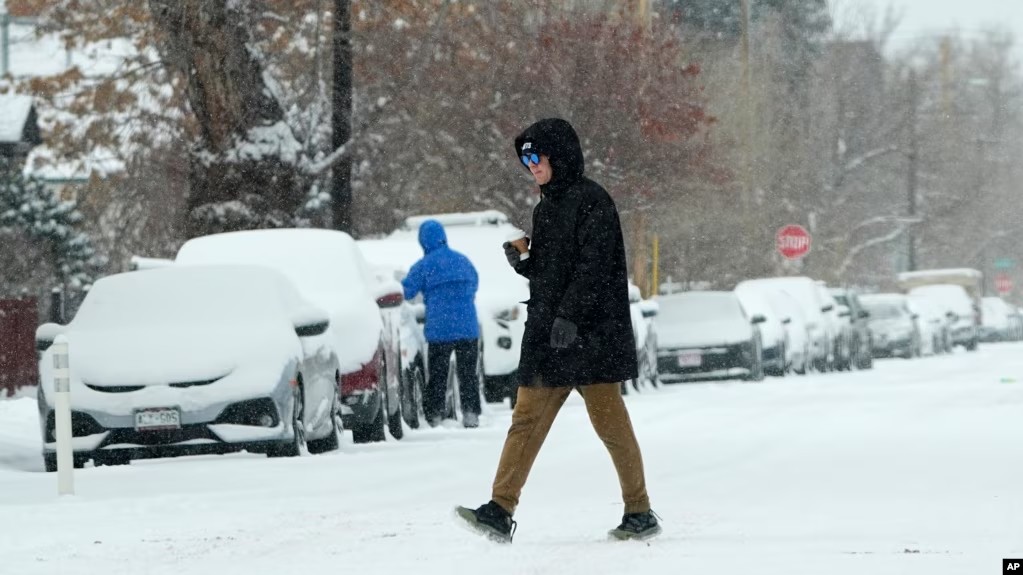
x=192 y=360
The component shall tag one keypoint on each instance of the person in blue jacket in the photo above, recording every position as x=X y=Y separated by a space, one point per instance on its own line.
x=448 y=282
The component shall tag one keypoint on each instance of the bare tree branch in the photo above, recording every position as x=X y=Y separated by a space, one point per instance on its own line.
x=857 y=250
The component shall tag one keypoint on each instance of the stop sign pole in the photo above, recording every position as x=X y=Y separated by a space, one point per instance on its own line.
x=793 y=242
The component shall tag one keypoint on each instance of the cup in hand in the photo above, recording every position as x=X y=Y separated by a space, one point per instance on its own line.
x=521 y=242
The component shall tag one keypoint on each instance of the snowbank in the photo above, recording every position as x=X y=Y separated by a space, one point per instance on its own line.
x=912 y=467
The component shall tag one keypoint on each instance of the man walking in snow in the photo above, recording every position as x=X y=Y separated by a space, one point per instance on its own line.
x=448 y=282
x=578 y=332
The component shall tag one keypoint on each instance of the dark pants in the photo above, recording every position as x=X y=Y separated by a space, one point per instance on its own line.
x=466 y=356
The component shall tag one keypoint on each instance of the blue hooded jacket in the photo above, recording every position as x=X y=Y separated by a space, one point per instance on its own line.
x=448 y=282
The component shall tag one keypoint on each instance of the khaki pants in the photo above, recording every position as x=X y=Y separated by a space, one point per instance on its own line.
x=534 y=414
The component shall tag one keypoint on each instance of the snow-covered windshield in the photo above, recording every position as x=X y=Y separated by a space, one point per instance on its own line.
x=883 y=310
x=951 y=297
x=322 y=264
x=697 y=307
x=198 y=295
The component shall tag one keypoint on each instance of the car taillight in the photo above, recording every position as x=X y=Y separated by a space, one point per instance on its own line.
x=364 y=379
x=390 y=300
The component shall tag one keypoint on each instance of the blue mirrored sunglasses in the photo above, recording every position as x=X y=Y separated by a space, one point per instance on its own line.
x=529 y=158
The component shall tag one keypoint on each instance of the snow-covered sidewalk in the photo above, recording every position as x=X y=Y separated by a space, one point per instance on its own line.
x=915 y=467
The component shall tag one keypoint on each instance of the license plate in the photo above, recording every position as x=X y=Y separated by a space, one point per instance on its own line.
x=156 y=419
x=690 y=359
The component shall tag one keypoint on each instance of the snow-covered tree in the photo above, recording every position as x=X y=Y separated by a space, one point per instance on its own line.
x=32 y=216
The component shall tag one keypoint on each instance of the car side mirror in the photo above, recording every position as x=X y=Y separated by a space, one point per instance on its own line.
x=952 y=316
x=46 y=333
x=864 y=314
x=915 y=316
x=828 y=308
x=390 y=300
x=312 y=329
x=844 y=313
x=786 y=321
x=649 y=308
x=758 y=319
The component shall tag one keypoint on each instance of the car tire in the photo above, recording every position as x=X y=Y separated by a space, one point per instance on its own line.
x=394 y=422
x=804 y=362
x=756 y=369
x=372 y=431
x=866 y=359
x=972 y=345
x=331 y=441
x=293 y=447
x=655 y=368
x=412 y=394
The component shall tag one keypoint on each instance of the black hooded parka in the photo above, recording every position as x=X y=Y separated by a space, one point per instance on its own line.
x=576 y=269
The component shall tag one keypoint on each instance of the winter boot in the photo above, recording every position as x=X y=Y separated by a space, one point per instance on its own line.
x=637 y=526
x=490 y=520
x=470 y=420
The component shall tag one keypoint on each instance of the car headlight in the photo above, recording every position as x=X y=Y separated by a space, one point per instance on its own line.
x=510 y=314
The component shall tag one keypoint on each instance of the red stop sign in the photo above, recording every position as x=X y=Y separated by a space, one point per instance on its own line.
x=1003 y=284
x=793 y=242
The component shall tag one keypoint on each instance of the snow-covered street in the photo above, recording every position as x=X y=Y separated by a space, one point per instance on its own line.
x=914 y=467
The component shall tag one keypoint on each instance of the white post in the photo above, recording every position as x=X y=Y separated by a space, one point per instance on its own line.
x=62 y=415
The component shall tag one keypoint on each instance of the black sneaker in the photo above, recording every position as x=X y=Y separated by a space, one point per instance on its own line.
x=637 y=526
x=491 y=520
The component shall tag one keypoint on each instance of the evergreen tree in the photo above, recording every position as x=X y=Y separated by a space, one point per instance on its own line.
x=28 y=207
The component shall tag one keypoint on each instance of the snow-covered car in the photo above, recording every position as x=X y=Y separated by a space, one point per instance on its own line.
x=797 y=349
x=1000 y=320
x=329 y=270
x=860 y=336
x=707 y=335
x=933 y=323
x=184 y=361
x=774 y=337
x=892 y=325
x=956 y=301
x=1015 y=323
x=839 y=329
x=499 y=299
x=804 y=292
x=644 y=329
x=404 y=324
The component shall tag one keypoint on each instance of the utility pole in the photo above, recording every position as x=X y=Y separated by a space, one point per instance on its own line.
x=946 y=76
x=914 y=154
x=656 y=276
x=341 y=117
x=5 y=43
x=747 y=126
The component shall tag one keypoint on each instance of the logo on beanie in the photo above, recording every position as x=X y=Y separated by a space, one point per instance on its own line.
x=527 y=146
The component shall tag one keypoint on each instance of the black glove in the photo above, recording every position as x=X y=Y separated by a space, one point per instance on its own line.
x=511 y=253
x=563 y=334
